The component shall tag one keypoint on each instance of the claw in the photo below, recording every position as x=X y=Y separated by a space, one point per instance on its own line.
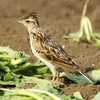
x=56 y=80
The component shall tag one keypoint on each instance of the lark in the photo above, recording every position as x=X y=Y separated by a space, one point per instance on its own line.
x=45 y=48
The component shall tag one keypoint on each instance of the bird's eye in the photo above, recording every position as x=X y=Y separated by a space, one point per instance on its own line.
x=27 y=21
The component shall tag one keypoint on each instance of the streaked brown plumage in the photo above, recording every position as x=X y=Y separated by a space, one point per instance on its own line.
x=44 y=47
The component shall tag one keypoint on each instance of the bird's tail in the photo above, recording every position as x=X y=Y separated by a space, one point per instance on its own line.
x=85 y=77
x=73 y=63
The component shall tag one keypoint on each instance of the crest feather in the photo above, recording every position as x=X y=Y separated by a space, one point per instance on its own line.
x=32 y=15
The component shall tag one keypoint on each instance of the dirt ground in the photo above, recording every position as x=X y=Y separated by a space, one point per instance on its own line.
x=57 y=17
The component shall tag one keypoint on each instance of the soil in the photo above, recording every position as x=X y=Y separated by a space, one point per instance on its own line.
x=56 y=17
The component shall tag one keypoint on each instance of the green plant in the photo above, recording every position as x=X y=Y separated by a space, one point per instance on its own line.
x=85 y=32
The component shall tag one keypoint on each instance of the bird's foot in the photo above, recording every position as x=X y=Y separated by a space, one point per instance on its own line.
x=56 y=80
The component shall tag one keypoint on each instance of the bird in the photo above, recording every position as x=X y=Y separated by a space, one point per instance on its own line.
x=44 y=47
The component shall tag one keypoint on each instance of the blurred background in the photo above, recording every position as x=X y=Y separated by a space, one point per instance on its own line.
x=56 y=17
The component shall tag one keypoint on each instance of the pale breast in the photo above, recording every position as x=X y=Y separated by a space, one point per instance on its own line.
x=36 y=44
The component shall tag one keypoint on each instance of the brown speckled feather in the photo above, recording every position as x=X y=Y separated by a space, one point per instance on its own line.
x=41 y=42
x=54 y=51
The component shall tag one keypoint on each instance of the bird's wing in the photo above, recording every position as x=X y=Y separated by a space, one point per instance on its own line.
x=55 y=51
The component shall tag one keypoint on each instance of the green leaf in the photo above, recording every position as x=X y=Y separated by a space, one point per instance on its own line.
x=4 y=67
x=18 y=61
x=78 y=95
x=35 y=94
x=95 y=75
x=8 y=77
x=37 y=83
x=86 y=28
x=97 y=43
x=39 y=64
x=86 y=33
x=20 y=98
x=8 y=50
x=77 y=78
x=97 y=97
x=5 y=57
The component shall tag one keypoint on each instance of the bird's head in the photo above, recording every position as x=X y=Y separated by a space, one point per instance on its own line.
x=30 y=21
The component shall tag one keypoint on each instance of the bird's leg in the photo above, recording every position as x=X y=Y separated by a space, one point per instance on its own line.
x=55 y=75
x=56 y=79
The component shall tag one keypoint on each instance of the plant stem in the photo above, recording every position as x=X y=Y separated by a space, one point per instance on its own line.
x=85 y=8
